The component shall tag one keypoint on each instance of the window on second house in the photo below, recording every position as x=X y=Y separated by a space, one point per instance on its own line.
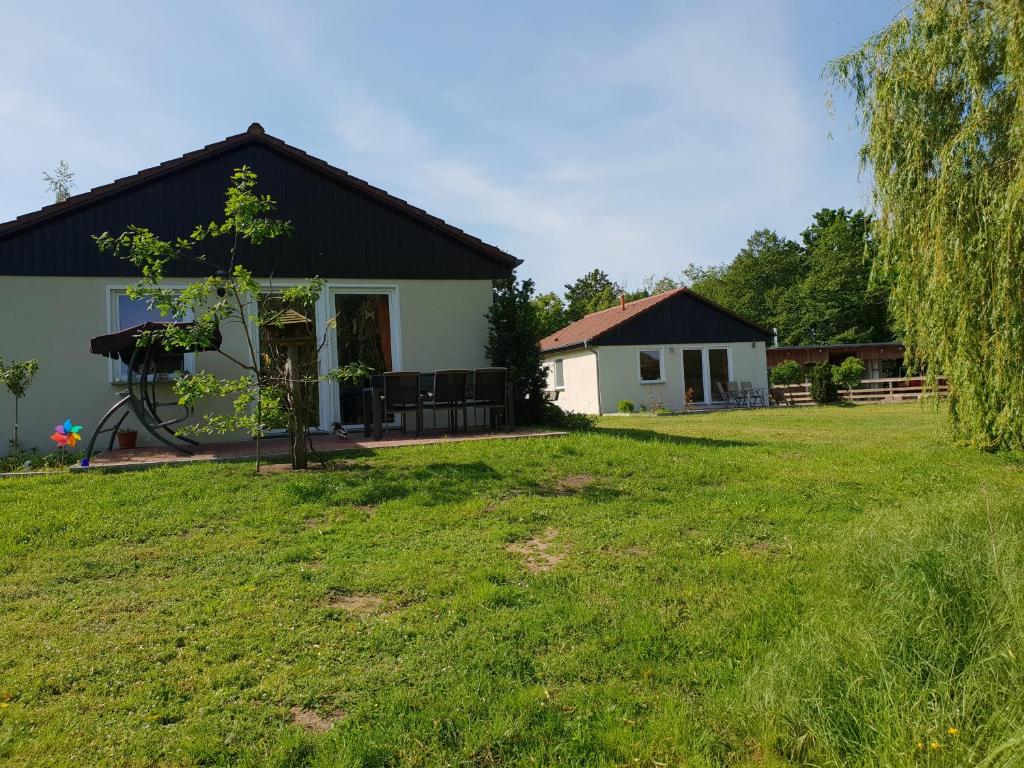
x=127 y=312
x=559 y=374
x=650 y=366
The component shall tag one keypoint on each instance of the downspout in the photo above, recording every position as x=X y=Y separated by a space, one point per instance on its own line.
x=597 y=367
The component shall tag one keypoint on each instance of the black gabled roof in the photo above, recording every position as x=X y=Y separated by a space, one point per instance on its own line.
x=30 y=241
x=676 y=316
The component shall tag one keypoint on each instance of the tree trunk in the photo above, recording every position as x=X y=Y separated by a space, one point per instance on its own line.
x=297 y=416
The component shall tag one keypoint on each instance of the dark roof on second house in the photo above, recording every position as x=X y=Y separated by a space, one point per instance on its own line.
x=343 y=226
x=678 y=316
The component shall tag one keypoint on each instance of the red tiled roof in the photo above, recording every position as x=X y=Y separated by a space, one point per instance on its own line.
x=593 y=325
x=590 y=327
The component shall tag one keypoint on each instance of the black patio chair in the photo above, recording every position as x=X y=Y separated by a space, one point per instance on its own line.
x=447 y=392
x=402 y=397
x=738 y=394
x=754 y=396
x=490 y=392
x=727 y=399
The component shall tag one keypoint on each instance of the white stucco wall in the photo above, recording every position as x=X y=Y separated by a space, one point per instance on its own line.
x=620 y=374
x=580 y=378
x=439 y=324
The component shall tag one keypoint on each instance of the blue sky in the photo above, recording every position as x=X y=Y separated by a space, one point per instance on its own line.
x=635 y=137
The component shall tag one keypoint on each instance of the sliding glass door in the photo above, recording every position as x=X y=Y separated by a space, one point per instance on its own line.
x=693 y=376
x=706 y=374
x=718 y=373
x=363 y=328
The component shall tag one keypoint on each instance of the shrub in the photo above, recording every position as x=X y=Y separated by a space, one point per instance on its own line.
x=823 y=386
x=787 y=372
x=33 y=461
x=848 y=373
x=17 y=376
x=512 y=343
x=570 y=421
x=626 y=406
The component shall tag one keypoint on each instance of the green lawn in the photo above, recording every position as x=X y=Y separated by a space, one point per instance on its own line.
x=827 y=586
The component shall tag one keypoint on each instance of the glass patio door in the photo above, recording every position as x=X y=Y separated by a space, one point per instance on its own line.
x=718 y=373
x=363 y=328
x=703 y=370
x=693 y=376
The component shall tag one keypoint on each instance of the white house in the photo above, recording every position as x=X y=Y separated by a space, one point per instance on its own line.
x=652 y=352
x=404 y=290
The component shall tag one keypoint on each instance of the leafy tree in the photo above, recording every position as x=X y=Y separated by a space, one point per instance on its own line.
x=652 y=286
x=837 y=301
x=848 y=373
x=758 y=284
x=61 y=181
x=823 y=386
x=939 y=98
x=550 y=310
x=268 y=393
x=17 y=377
x=787 y=372
x=818 y=291
x=592 y=292
x=512 y=343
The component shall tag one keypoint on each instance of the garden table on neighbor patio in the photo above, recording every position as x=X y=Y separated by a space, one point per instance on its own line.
x=146 y=360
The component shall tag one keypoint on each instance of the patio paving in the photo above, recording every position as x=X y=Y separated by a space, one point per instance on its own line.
x=277 y=447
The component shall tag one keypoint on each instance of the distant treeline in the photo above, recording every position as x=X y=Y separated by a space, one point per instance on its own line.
x=816 y=291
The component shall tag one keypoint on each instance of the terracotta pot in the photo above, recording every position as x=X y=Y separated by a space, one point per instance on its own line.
x=126 y=440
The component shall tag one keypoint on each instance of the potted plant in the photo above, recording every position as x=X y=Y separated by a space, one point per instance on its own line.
x=126 y=439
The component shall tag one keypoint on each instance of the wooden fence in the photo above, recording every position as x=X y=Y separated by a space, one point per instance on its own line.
x=871 y=391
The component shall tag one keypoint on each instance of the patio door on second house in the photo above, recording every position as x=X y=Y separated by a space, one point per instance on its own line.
x=364 y=327
x=703 y=370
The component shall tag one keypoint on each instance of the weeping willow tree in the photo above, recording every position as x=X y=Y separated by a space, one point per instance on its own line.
x=939 y=98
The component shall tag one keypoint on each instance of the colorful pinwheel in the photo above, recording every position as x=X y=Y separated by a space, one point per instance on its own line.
x=66 y=434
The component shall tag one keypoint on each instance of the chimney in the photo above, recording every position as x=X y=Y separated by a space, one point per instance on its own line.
x=622 y=302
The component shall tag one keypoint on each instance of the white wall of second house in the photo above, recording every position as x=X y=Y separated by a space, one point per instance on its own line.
x=579 y=367
x=620 y=373
x=440 y=324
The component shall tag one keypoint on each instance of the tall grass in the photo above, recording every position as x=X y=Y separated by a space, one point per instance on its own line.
x=914 y=651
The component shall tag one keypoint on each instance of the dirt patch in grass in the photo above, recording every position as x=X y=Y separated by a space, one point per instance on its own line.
x=537 y=553
x=572 y=484
x=357 y=604
x=311 y=720
x=760 y=547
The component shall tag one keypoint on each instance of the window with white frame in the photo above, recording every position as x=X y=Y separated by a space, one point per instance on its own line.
x=650 y=366
x=126 y=312
x=559 y=372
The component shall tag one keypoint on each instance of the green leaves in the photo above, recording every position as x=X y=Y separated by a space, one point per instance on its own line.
x=848 y=373
x=232 y=295
x=939 y=98
x=17 y=375
x=787 y=372
x=352 y=373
